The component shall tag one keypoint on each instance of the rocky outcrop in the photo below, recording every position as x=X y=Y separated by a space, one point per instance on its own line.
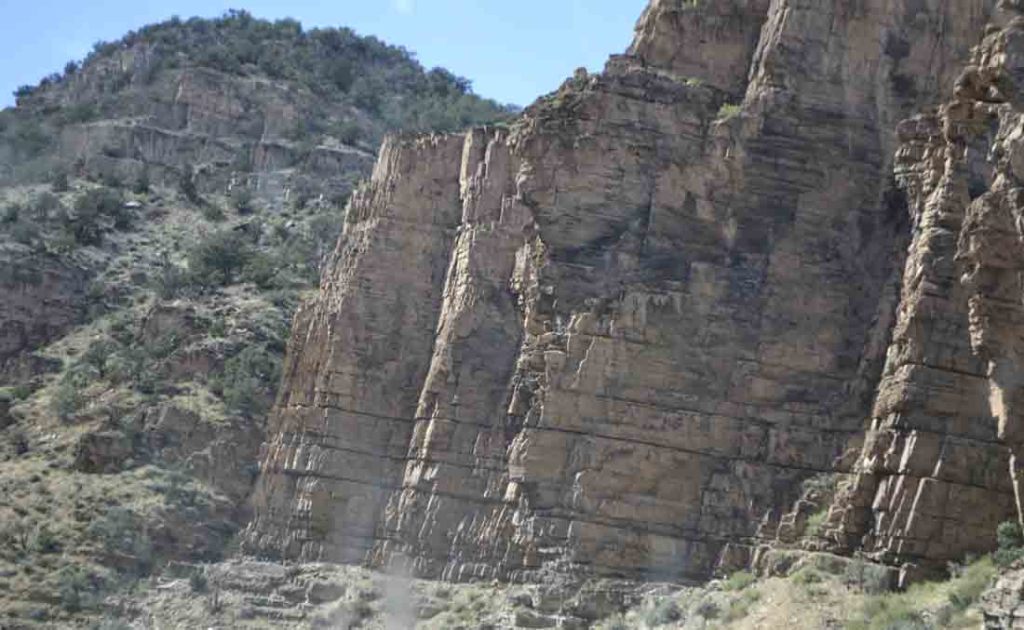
x=932 y=481
x=218 y=453
x=231 y=131
x=618 y=337
x=42 y=299
x=1002 y=602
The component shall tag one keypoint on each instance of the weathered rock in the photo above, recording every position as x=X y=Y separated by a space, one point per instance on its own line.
x=369 y=345
x=318 y=595
x=218 y=452
x=41 y=300
x=228 y=129
x=1003 y=603
x=932 y=481
x=103 y=452
x=616 y=338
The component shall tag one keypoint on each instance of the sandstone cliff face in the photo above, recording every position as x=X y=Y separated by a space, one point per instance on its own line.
x=933 y=481
x=617 y=337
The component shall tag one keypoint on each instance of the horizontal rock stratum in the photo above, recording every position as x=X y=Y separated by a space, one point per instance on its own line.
x=618 y=336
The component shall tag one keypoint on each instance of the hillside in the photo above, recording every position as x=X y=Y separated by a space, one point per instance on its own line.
x=232 y=96
x=164 y=205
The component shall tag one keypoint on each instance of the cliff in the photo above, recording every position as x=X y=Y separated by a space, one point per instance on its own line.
x=163 y=206
x=621 y=336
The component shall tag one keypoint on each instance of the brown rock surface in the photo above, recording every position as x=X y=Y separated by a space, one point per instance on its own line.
x=618 y=337
x=932 y=482
x=40 y=299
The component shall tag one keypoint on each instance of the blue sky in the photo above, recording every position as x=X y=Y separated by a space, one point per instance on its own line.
x=512 y=51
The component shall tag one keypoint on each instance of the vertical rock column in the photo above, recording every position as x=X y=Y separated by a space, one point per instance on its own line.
x=357 y=357
x=992 y=242
x=931 y=484
x=457 y=458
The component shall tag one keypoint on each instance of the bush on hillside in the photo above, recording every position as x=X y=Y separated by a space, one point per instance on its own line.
x=1010 y=539
x=78 y=588
x=86 y=222
x=120 y=533
x=243 y=200
x=219 y=259
x=59 y=181
x=249 y=380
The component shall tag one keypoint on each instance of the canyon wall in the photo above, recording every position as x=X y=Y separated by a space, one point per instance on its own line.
x=618 y=336
x=933 y=480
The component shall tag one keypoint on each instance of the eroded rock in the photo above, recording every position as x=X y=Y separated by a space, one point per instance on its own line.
x=616 y=338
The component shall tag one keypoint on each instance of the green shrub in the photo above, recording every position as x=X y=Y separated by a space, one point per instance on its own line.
x=1009 y=535
x=361 y=610
x=67 y=399
x=663 y=612
x=1011 y=544
x=212 y=213
x=970 y=582
x=218 y=259
x=78 y=113
x=10 y=214
x=815 y=522
x=740 y=607
x=928 y=604
x=16 y=537
x=164 y=345
x=177 y=487
x=807 y=575
x=28 y=138
x=141 y=185
x=59 y=181
x=867 y=576
x=197 y=581
x=243 y=200
x=45 y=541
x=78 y=588
x=249 y=379
x=262 y=270
x=121 y=532
x=187 y=184
x=99 y=201
x=85 y=222
x=45 y=206
x=618 y=622
x=24 y=232
x=707 y=609
x=18 y=392
x=170 y=280
x=891 y=612
x=123 y=365
x=739 y=581
x=728 y=110
x=99 y=352
x=349 y=132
